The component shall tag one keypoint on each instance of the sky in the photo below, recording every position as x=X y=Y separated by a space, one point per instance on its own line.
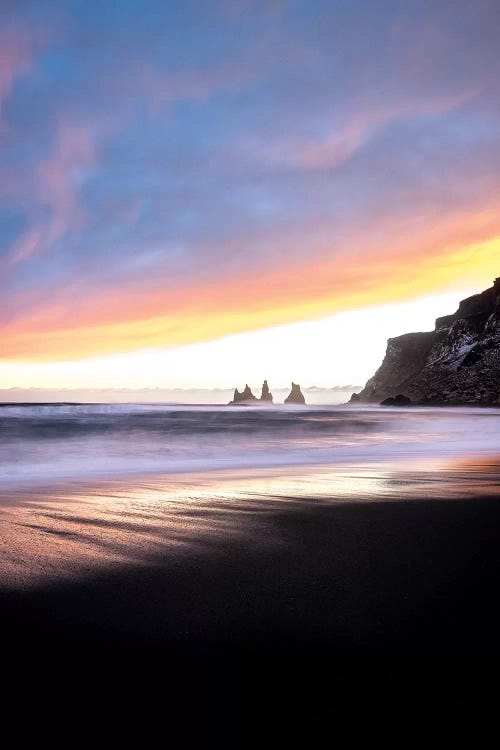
x=202 y=193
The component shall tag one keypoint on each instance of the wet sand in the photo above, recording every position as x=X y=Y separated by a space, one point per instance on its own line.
x=221 y=604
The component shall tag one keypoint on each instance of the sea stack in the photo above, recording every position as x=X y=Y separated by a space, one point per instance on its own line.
x=244 y=397
x=295 y=396
x=456 y=363
x=266 y=394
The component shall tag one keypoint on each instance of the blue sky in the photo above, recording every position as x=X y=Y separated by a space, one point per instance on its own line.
x=172 y=173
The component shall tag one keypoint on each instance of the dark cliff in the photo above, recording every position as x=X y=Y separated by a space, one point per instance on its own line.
x=457 y=363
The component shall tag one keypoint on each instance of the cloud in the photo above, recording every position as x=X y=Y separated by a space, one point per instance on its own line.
x=69 y=326
x=346 y=139
x=181 y=174
x=56 y=184
x=15 y=58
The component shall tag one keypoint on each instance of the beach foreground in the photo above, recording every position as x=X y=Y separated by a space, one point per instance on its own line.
x=229 y=600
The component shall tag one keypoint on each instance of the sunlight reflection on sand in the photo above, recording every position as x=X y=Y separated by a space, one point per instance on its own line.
x=72 y=530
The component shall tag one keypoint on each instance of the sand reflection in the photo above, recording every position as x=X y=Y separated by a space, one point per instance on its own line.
x=71 y=531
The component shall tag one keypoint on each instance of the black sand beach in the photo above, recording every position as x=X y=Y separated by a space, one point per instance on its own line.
x=321 y=613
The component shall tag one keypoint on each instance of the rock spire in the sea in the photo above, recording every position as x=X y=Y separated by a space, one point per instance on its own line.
x=295 y=396
x=457 y=363
x=266 y=394
x=245 y=395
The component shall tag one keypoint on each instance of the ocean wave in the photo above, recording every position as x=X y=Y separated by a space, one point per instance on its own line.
x=73 y=441
x=50 y=422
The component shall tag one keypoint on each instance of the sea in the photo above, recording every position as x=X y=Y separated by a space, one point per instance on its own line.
x=48 y=443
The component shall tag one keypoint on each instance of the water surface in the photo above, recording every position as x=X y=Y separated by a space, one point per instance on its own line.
x=91 y=487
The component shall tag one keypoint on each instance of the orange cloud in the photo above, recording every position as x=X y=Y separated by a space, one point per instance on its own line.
x=126 y=320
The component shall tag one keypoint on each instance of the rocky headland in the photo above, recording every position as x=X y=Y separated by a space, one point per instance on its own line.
x=458 y=363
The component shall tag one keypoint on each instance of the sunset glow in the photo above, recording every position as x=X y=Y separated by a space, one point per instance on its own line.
x=179 y=199
x=249 y=369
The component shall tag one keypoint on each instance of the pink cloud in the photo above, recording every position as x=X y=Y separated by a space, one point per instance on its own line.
x=15 y=58
x=345 y=140
x=330 y=151
x=56 y=187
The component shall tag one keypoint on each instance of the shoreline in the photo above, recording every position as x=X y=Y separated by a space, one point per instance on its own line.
x=69 y=529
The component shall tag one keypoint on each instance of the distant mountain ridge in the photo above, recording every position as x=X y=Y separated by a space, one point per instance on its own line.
x=457 y=363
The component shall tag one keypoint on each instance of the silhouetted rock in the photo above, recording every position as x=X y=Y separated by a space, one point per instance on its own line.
x=457 y=363
x=266 y=393
x=244 y=397
x=399 y=400
x=295 y=396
